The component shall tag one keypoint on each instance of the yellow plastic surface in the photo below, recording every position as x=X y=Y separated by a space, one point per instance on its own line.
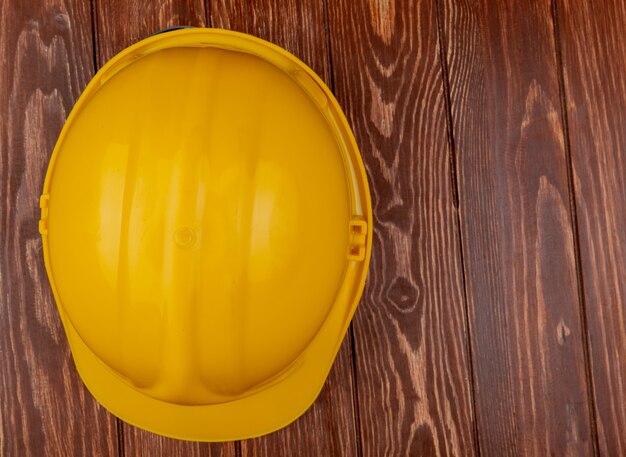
x=206 y=225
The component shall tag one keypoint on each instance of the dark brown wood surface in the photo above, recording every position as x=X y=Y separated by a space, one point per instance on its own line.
x=412 y=363
x=118 y=24
x=493 y=132
x=593 y=50
x=516 y=225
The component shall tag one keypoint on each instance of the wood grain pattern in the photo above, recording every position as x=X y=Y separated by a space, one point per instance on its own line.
x=413 y=371
x=530 y=384
x=294 y=25
x=142 y=443
x=46 y=60
x=328 y=427
x=121 y=23
x=593 y=49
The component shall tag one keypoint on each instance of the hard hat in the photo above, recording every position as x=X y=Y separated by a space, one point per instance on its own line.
x=207 y=229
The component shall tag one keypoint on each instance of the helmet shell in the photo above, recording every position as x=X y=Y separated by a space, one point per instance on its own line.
x=205 y=214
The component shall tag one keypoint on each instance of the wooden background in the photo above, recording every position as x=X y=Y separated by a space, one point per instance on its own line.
x=494 y=318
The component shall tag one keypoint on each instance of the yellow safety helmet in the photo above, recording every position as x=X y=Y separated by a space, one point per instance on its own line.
x=207 y=229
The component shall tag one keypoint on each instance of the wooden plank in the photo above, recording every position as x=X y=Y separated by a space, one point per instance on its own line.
x=141 y=443
x=593 y=50
x=121 y=23
x=328 y=427
x=46 y=54
x=527 y=346
x=297 y=26
x=413 y=370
